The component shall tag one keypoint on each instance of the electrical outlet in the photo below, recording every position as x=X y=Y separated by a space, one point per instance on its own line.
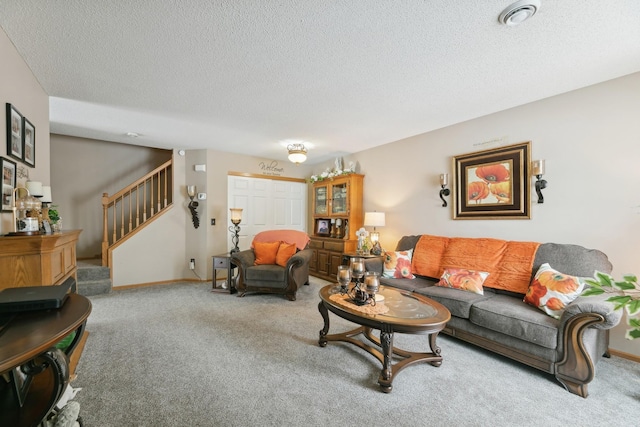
x=192 y=264
x=213 y=221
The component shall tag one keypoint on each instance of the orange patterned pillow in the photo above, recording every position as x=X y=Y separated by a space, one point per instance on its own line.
x=463 y=279
x=397 y=265
x=551 y=290
x=265 y=252
x=285 y=251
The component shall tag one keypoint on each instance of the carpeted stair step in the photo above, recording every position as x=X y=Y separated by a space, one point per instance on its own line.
x=94 y=287
x=93 y=278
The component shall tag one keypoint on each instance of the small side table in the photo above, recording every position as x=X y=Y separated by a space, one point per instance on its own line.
x=346 y=257
x=223 y=262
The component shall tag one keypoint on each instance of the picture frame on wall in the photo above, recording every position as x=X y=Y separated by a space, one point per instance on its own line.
x=15 y=130
x=29 y=142
x=9 y=172
x=493 y=184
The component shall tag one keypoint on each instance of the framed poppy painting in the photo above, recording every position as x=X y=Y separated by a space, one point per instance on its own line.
x=492 y=184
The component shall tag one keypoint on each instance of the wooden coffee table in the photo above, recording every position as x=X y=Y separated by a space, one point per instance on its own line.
x=407 y=313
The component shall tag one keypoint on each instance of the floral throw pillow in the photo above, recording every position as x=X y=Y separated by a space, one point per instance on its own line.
x=397 y=265
x=551 y=290
x=463 y=279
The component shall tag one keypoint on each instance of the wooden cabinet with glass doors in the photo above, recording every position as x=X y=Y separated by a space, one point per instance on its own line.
x=337 y=214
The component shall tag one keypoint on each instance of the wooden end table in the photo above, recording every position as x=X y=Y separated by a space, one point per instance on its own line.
x=408 y=313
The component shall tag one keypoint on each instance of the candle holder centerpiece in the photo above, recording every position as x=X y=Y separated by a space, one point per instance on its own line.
x=361 y=293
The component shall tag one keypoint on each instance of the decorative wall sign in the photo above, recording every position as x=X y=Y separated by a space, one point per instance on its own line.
x=493 y=184
x=29 y=142
x=271 y=168
x=15 y=130
x=8 y=182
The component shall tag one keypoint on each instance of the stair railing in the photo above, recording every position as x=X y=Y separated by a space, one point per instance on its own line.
x=127 y=211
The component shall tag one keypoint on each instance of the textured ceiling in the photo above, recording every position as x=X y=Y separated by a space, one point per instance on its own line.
x=246 y=75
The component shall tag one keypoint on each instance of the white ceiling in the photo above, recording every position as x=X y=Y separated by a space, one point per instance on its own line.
x=246 y=75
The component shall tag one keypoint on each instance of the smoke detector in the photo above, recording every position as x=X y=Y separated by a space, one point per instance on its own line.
x=519 y=12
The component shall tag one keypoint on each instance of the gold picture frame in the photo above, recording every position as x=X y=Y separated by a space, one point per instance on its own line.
x=493 y=184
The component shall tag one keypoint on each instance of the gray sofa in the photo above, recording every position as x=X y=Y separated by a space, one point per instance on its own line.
x=500 y=321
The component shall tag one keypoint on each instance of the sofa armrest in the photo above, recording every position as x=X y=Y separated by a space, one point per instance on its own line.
x=583 y=339
x=597 y=305
x=244 y=259
x=300 y=258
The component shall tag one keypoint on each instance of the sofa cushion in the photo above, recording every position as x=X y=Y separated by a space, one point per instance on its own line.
x=463 y=279
x=459 y=303
x=266 y=273
x=397 y=264
x=407 y=284
x=510 y=316
x=428 y=254
x=285 y=252
x=551 y=291
x=571 y=259
x=265 y=252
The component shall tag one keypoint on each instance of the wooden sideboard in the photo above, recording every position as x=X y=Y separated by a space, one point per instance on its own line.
x=40 y=260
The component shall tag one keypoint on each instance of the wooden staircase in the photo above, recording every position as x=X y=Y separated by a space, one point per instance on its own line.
x=135 y=206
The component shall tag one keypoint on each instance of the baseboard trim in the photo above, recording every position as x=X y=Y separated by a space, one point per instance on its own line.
x=164 y=282
x=624 y=355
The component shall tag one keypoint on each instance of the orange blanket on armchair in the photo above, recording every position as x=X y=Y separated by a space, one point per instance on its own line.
x=508 y=263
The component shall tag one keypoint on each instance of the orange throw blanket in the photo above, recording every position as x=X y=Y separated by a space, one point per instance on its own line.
x=508 y=263
x=300 y=238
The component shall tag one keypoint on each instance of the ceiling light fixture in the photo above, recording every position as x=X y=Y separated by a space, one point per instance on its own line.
x=297 y=153
x=519 y=12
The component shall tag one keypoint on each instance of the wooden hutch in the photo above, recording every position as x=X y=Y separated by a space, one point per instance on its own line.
x=337 y=214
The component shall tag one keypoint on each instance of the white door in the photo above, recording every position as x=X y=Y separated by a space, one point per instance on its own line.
x=267 y=204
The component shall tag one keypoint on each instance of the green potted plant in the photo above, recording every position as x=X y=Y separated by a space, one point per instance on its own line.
x=54 y=218
x=626 y=295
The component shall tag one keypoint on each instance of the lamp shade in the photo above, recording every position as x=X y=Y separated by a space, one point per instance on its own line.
x=46 y=194
x=35 y=188
x=236 y=215
x=537 y=167
x=374 y=219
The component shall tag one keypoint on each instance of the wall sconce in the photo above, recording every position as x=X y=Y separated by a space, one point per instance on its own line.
x=444 y=180
x=236 y=219
x=193 y=205
x=537 y=167
x=374 y=219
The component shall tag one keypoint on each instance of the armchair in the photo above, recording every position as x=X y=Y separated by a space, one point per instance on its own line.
x=265 y=267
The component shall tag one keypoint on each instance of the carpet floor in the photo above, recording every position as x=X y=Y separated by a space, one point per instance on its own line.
x=179 y=355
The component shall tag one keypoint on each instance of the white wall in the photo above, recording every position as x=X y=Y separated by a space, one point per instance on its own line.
x=590 y=139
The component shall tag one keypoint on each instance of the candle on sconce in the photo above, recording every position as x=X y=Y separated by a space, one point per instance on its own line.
x=537 y=167
x=444 y=179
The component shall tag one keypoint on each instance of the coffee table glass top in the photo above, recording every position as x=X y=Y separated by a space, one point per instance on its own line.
x=404 y=306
